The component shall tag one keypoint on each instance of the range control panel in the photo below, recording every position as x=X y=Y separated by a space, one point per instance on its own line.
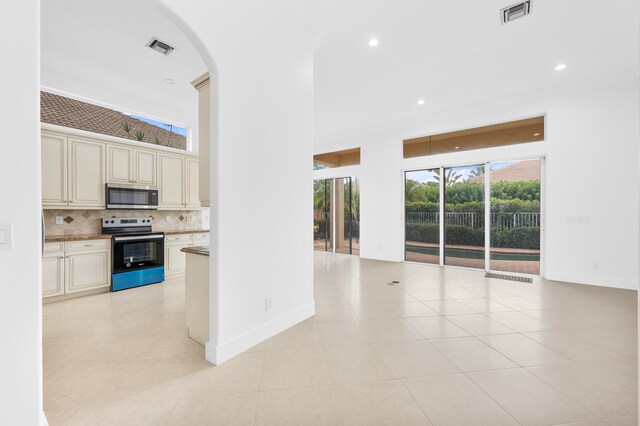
x=125 y=222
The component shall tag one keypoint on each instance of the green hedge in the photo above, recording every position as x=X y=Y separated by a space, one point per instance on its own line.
x=468 y=192
x=525 y=238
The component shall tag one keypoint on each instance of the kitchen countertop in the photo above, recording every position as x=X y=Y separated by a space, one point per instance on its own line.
x=201 y=250
x=75 y=237
x=85 y=237
x=186 y=231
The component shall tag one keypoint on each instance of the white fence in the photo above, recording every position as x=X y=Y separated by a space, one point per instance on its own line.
x=505 y=220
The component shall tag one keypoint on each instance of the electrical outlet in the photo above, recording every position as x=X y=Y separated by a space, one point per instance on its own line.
x=267 y=304
x=167 y=219
x=59 y=220
x=193 y=217
x=188 y=218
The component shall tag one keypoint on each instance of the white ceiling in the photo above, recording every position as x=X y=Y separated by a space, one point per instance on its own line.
x=447 y=53
x=96 y=49
x=457 y=53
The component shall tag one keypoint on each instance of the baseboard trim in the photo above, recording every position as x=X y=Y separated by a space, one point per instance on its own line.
x=44 y=421
x=595 y=281
x=227 y=350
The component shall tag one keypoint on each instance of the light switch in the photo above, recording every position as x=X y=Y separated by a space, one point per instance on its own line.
x=59 y=220
x=5 y=237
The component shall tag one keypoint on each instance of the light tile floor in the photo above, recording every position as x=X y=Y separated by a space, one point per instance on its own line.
x=442 y=347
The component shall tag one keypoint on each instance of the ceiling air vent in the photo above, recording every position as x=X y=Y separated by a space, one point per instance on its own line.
x=515 y=11
x=160 y=46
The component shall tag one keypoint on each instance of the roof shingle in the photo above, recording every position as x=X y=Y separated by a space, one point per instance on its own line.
x=67 y=112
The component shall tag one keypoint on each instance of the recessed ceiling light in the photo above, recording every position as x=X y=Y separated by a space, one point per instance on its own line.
x=421 y=102
x=169 y=81
x=373 y=42
x=560 y=67
x=536 y=134
x=457 y=147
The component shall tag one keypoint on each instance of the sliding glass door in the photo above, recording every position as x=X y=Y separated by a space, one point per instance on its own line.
x=464 y=216
x=322 y=217
x=422 y=216
x=506 y=215
x=336 y=220
x=515 y=216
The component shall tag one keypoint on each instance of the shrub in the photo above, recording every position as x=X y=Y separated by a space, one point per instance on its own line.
x=524 y=238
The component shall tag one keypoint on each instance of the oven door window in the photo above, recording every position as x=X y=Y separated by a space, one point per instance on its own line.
x=133 y=255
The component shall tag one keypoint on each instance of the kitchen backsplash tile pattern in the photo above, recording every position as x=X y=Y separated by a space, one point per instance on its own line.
x=89 y=221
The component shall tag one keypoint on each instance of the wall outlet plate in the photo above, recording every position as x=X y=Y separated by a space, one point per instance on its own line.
x=59 y=220
x=167 y=219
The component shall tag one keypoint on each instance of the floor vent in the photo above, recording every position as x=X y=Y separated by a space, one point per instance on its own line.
x=515 y=11
x=509 y=277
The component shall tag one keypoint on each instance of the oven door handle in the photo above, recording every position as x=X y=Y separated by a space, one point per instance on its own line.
x=139 y=237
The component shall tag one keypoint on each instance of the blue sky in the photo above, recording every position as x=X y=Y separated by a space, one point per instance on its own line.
x=176 y=129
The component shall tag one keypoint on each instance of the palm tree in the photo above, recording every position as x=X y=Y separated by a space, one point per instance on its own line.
x=478 y=171
x=450 y=177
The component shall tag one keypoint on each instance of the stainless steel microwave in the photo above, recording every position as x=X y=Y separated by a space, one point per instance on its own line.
x=131 y=197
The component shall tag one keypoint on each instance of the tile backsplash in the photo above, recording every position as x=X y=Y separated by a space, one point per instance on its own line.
x=89 y=221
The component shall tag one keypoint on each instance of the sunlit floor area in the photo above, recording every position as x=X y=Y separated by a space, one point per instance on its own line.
x=443 y=346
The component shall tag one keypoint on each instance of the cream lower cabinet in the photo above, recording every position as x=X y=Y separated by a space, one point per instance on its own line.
x=53 y=270
x=87 y=265
x=175 y=261
x=76 y=266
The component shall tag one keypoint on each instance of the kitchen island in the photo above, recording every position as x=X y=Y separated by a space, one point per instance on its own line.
x=197 y=292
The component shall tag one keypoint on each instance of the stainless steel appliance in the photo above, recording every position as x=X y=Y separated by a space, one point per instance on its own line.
x=137 y=252
x=131 y=197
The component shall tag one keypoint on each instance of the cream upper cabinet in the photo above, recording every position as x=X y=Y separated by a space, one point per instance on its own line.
x=119 y=164
x=129 y=165
x=75 y=171
x=171 y=180
x=144 y=163
x=54 y=170
x=192 y=180
x=86 y=174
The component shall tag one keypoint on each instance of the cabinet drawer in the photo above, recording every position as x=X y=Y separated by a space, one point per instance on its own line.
x=177 y=239
x=201 y=237
x=53 y=248
x=88 y=245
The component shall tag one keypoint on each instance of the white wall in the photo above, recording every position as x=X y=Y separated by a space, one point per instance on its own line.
x=20 y=304
x=261 y=159
x=591 y=149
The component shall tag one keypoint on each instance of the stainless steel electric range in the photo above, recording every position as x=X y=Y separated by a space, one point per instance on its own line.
x=137 y=256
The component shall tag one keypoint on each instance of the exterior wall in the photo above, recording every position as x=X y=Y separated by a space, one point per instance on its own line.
x=591 y=204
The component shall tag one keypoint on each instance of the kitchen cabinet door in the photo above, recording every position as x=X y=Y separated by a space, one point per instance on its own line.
x=192 y=189
x=171 y=175
x=175 y=261
x=86 y=174
x=54 y=170
x=145 y=167
x=119 y=164
x=88 y=270
x=53 y=275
